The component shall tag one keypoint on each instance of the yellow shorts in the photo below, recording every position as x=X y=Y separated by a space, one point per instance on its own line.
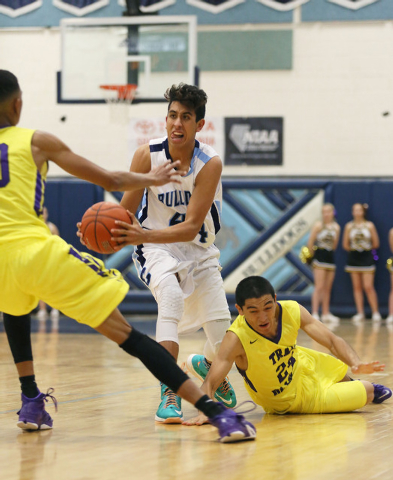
x=320 y=389
x=49 y=269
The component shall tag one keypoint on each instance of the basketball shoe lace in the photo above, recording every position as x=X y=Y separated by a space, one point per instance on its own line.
x=171 y=398
x=251 y=409
x=49 y=394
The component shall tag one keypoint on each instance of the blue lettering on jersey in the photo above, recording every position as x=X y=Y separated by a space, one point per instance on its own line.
x=175 y=198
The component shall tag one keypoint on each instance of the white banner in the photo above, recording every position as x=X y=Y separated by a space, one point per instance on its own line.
x=353 y=4
x=142 y=130
x=278 y=244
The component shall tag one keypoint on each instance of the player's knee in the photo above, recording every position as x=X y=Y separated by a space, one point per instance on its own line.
x=170 y=301
x=369 y=289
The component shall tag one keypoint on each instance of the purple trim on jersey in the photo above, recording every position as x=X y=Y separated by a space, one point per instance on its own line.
x=90 y=261
x=243 y=373
x=39 y=192
x=5 y=170
x=216 y=218
x=277 y=338
x=5 y=126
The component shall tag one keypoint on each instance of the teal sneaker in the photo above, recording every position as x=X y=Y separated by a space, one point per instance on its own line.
x=169 y=410
x=199 y=367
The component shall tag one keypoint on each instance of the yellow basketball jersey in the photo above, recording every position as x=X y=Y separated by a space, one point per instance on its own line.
x=22 y=188
x=272 y=371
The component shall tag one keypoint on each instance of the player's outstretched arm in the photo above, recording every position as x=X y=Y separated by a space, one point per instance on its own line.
x=230 y=349
x=200 y=203
x=48 y=147
x=337 y=345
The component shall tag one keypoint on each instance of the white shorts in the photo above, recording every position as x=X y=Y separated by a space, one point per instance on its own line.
x=198 y=272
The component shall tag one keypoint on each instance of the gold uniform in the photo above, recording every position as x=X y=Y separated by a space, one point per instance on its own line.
x=285 y=378
x=34 y=264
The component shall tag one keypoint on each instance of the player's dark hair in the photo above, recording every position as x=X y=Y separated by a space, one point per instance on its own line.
x=253 y=287
x=8 y=85
x=189 y=95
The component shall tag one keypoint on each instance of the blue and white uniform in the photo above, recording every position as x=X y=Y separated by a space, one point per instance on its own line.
x=194 y=263
x=167 y=205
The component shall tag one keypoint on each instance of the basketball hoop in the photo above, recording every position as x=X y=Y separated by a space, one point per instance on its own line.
x=118 y=97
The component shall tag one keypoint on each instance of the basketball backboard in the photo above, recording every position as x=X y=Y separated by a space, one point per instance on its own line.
x=153 y=52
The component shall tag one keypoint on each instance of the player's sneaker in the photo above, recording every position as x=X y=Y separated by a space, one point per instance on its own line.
x=54 y=316
x=32 y=415
x=376 y=317
x=381 y=393
x=233 y=427
x=329 y=317
x=225 y=393
x=169 y=410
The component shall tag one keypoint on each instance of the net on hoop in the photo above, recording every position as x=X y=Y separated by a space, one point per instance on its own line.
x=119 y=97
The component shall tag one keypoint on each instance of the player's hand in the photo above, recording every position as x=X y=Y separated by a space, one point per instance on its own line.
x=127 y=234
x=166 y=173
x=368 y=367
x=79 y=234
x=200 y=419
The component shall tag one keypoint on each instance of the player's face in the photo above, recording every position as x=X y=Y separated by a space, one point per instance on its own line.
x=260 y=314
x=181 y=125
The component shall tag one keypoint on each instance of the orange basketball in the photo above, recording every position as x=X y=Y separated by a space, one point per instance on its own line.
x=97 y=223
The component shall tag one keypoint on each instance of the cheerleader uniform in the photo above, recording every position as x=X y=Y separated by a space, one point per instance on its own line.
x=324 y=253
x=360 y=257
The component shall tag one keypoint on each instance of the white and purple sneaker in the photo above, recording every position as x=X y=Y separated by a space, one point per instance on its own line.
x=32 y=415
x=233 y=427
x=381 y=393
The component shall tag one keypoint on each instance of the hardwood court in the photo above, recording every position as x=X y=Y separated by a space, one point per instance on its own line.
x=105 y=427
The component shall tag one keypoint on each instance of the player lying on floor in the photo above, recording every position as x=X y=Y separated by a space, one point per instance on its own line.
x=279 y=375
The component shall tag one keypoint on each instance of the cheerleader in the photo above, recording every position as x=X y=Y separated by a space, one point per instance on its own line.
x=323 y=242
x=360 y=238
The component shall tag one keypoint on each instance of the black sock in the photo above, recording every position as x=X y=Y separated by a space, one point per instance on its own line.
x=208 y=407
x=155 y=358
x=28 y=386
x=17 y=329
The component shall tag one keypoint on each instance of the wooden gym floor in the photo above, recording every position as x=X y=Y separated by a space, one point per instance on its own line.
x=105 y=427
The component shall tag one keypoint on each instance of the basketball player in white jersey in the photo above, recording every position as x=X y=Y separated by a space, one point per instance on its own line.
x=175 y=254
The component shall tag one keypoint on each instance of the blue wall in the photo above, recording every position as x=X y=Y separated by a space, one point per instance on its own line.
x=253 y=207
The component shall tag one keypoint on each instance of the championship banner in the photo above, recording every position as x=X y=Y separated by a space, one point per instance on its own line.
x=283 y=5
x=142 y=130
x=353 y=4
x=254 y=141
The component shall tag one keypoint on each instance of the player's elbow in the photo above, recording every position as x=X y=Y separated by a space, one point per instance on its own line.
x=192 y=231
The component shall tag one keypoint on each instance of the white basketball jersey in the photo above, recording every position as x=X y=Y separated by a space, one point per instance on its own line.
x=167 y=205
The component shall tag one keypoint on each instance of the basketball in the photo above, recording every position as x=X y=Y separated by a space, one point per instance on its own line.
x=97 y=223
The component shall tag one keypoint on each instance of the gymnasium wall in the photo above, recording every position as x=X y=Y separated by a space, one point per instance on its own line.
x=264 y=224
x=335 y=96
